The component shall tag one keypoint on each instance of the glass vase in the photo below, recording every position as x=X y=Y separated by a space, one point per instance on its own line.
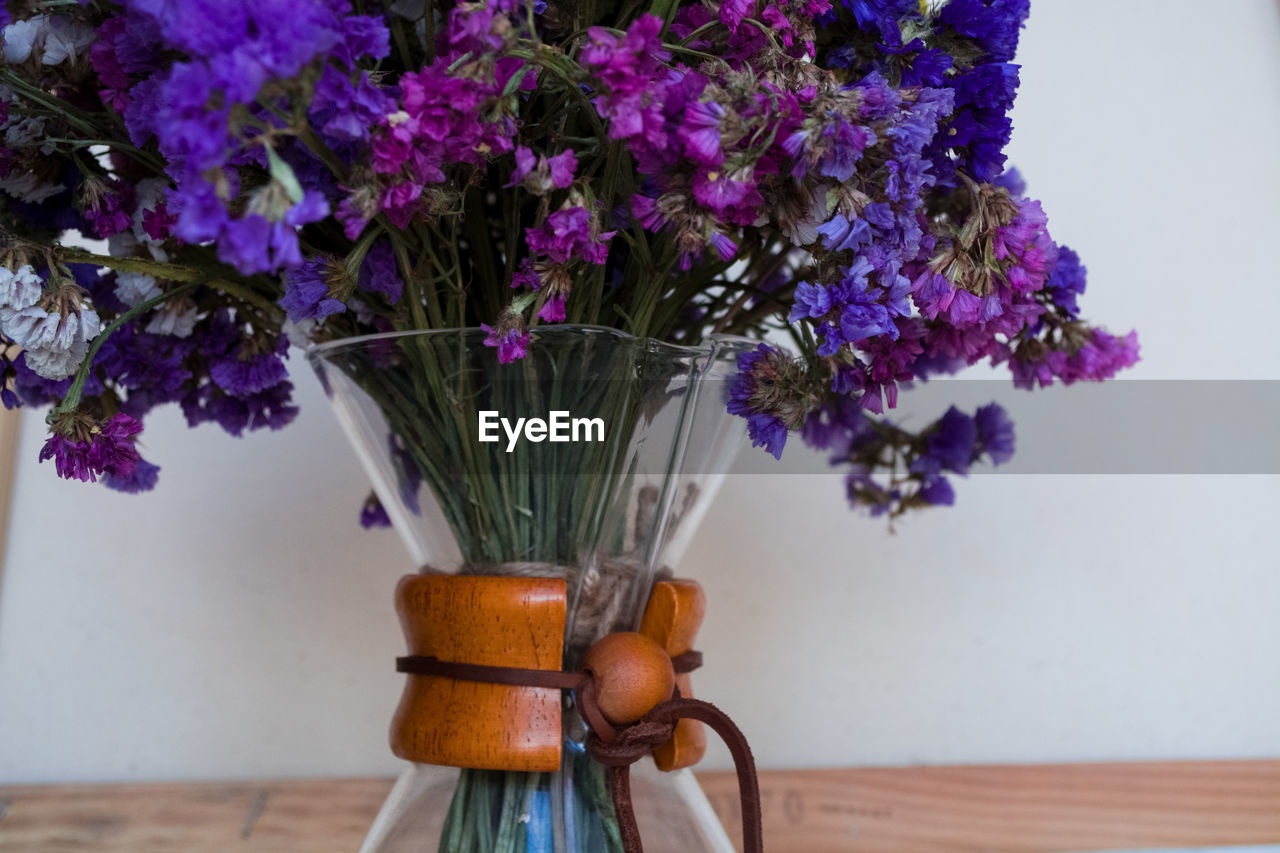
x=606 y=494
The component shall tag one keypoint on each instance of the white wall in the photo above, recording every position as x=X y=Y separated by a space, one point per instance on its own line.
x=237 y=623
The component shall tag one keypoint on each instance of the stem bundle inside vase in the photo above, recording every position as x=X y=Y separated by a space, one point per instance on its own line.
x=598 y=511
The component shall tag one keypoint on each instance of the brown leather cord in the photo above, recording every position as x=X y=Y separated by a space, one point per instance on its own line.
x=618 y=747
x=509 y=675
x=514 y=676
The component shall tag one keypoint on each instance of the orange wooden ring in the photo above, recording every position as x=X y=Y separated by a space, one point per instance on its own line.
x=494 y=621
x=672 y=618
x=519 y=622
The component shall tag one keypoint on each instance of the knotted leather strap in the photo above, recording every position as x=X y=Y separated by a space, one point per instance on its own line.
x=618 y=747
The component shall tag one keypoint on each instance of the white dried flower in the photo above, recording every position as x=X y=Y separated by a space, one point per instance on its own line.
x=24 y=133
x=66 y=39
x=133 y=288
x=299 y=332
x=54 y=345
x=21 y=37
x=150 y=194
x=173 y=319
x=27 y=187
x=54 y=39
x=20 y=289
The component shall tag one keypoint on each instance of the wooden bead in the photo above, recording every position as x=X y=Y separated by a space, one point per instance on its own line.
x=632 y=674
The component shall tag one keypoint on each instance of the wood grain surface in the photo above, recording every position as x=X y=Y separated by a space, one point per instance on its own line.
x=998 y=809
x=1016 y=809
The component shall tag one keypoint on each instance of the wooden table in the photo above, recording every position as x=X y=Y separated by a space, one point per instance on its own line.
x=904 y=810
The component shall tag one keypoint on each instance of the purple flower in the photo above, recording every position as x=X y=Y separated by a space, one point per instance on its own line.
x=937 y=491
x=812 y=300
x=379 y=273
x=719 y=192
x=965 y=308
x=344 y=110
x=951 y=444
x=106 y=64
x=509 y=336
x=526 y=161
x=732 y=12
x=1100 y=357
x=552 y=310
x=444 y=119
x=526 y=276
x=86 y=451
x=980 y=127
x=240 y=364
x=842 y=234
x=363 y=35
x=882 y=16
x=629 y=71
x=541 y=174
x=1026 y=248
x=723 y=245
x=562 y=166
x=141 y=479
x=992 y=24
x=919 y=124
x=373 y=513
x=306 y=293
x=768 y=432
x=107 y=211
x=767 y=392
x=843 y=144
x=271 y=408
x=700 y=132
x=1067 y=281
x=569 y=234
x=152 y=368
x=243 y=372
x=157 y=222
x=995 y=432
x=852 y=309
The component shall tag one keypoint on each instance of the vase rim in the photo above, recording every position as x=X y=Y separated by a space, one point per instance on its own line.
x=314 y=351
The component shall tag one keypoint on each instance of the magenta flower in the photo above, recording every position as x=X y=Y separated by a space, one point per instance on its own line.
x=108 y=213
x=562 y=167
x=632 y=78
x=567 y=236
x=718 y=191
x=540 y=174
x=553 y=309
x=509 y=337
x=92 y=450
x=701 y=132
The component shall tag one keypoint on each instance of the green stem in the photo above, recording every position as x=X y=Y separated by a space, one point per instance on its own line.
x=155 y=269
x=72 y=399
x=74 y=116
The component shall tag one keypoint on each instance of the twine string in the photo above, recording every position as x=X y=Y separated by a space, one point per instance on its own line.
x=597 y=606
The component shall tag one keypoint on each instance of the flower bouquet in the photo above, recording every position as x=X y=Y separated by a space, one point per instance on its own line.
x=646 y=225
